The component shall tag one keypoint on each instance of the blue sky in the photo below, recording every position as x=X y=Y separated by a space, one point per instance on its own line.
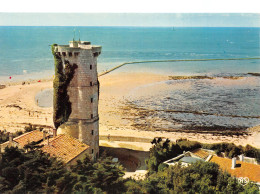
x=131 y=19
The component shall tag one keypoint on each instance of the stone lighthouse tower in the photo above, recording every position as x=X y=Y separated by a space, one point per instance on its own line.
x=77 y=92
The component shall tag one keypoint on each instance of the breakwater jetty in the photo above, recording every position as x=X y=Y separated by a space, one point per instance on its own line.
x=173 y=60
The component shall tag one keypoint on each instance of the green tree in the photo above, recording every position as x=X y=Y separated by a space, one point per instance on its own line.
x=251 y=189
x=32 y=171
x=102 y=174
x=108 y=175
x=134 y=187
x=160 y=152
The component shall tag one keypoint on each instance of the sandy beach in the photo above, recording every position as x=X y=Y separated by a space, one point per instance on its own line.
x=19 y=108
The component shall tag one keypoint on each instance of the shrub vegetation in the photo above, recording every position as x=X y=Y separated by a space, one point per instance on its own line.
x=63 y=76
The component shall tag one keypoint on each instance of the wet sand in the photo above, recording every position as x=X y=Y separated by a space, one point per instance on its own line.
x=18 y=109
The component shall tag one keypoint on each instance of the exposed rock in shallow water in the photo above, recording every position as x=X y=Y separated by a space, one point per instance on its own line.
x=202 y=77
x=254 y=74
x=189 y=77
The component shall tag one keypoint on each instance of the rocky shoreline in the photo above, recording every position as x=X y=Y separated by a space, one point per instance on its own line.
x=19 y=108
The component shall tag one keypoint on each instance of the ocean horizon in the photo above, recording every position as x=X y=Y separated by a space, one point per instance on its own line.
x=25 y=50
x=26 y=54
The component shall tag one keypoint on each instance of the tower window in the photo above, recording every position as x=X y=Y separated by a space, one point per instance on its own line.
x=95 y=54
x=92 y=151
x=91 y=100
x=90 y=83
x=90 y=66
x=92 y=132
x=70 y=54
x=91 y=116
x=64 y=54
x=76 y=54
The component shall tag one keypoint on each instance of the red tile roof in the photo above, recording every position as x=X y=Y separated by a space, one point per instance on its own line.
x=29 y=137
x=243 y=169
x=64 y=147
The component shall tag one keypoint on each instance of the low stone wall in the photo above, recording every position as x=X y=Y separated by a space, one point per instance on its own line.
x=125 y=138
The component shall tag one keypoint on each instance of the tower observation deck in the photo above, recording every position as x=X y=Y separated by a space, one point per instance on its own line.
x=83 y=93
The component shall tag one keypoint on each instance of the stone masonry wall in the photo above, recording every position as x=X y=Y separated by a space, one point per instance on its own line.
x=83 y=95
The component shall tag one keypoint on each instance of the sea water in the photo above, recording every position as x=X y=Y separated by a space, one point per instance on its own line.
x=26 y=50
x=26 y=53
